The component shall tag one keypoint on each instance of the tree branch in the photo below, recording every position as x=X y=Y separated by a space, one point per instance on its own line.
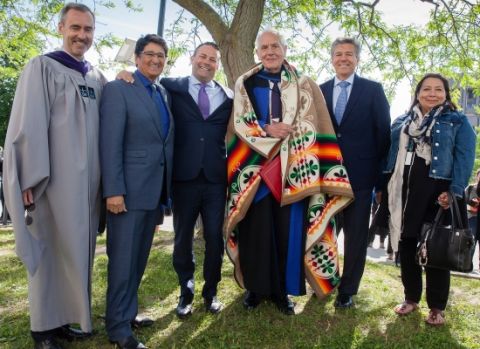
x=207 y=15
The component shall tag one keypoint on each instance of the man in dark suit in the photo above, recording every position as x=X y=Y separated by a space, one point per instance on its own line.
x=136 y=149
x=201 y=108
x=360 y=115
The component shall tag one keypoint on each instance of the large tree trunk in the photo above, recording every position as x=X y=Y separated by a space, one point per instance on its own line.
x=236 y=42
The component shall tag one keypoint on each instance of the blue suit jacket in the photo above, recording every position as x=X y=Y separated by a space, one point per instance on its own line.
x=364 y=133
x=134 y=156
x=199 y=143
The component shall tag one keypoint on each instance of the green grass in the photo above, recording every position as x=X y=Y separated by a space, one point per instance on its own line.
x=317 y=325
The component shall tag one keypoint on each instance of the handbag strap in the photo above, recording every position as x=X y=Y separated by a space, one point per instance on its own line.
x=438 y=218
x=455 y=211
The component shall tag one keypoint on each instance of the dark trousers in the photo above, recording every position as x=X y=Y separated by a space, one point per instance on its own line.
x=437 y=280
x=355 y=228
x=263 y=246
x=191 y=198
x=129 y=239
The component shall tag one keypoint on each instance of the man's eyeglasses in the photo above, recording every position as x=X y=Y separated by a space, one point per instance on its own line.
x=150 y=54
x=28 y=218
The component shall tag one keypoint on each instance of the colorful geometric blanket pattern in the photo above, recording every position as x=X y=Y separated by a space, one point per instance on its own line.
x=312 y=166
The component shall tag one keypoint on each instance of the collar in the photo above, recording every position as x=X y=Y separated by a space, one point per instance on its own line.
x=263 y=74
x=144 y=80
x=63 y=57
x=75 y=58
x=195 y=81
x=349 y=79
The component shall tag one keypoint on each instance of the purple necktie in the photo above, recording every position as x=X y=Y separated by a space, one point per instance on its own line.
x=203 y=101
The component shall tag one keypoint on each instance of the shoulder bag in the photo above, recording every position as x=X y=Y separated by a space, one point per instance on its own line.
x=446 y=246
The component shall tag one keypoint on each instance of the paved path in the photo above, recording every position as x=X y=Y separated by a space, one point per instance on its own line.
x=374 y=254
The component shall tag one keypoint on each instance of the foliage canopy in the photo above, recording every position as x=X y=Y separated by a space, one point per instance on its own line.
x=449 y=43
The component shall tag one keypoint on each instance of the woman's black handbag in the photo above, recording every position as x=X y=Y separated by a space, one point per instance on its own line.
x=446 y=246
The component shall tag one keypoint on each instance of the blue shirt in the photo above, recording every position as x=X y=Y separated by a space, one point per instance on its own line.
x=215 y=92
x=159 y=102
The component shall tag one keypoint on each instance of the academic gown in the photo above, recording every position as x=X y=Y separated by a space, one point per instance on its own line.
x=52 y=147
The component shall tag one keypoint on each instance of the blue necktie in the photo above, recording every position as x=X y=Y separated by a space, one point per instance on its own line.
x=164 y=120
x=203 y=101
x=341 y=101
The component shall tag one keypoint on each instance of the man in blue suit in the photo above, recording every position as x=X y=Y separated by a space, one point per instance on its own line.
x=361 y=117
x=136 y=150
x=201 y=108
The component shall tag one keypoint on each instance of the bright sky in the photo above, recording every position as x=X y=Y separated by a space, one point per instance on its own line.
x=126 y=24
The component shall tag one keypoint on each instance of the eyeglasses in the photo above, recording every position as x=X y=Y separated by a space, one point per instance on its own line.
x=153 y=54
x=28 y=218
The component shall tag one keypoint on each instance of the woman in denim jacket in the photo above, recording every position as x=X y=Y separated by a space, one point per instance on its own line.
x=432 y=151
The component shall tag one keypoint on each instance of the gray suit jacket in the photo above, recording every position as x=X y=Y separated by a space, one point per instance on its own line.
x=135 y=159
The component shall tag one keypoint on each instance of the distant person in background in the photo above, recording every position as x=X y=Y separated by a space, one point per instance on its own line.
x=379 y=226
x=472 y=199
x=432 y=153
x=52 y=180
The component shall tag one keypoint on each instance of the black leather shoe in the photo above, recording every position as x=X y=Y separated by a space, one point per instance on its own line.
x=48 y=343
x=343 y=301
x=213 y=305
x=70 y=334
x=129 y=343
x=184 y=307
x=251 y=300
x=141 y=322
x=285 y=304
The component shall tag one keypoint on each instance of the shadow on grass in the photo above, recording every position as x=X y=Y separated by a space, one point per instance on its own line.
x=372 y=324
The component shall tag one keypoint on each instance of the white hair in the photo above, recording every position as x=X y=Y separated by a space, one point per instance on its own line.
x=273 y=32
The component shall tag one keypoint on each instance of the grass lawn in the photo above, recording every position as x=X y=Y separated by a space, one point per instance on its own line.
x=317 y=325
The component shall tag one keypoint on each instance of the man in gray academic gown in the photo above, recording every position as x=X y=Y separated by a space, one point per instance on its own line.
x=52 y=180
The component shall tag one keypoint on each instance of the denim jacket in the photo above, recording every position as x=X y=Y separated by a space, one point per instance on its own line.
x=453 y=148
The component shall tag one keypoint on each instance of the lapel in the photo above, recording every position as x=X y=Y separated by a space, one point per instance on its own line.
x=168 y=103
x=354 y=95
x=149 y=103
x=188 y=97
x=228 y=99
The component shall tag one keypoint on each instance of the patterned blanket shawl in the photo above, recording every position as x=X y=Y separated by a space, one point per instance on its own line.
x=311 y=166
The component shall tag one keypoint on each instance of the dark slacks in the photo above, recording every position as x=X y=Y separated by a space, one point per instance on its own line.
x=263 y=246
x=129 y=239
x=191 y=198
x=437 y=280
x=355 y=228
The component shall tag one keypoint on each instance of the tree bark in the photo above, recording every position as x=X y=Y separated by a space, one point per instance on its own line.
x=237 y=41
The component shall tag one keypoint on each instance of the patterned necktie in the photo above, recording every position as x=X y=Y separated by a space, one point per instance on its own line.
x=341 y=101
x=203 y=101
x=276 y=103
